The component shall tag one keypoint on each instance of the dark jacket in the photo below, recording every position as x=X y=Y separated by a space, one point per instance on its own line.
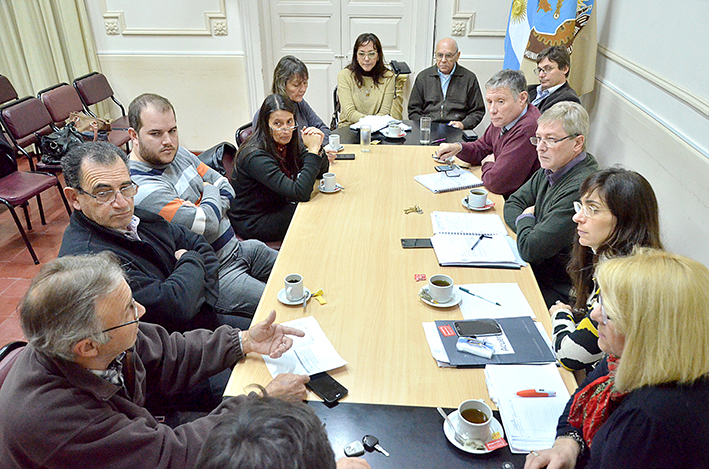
x=564 y=93
x=265 y=196
x=56 y=414
x=177 y=294
x=463 y=102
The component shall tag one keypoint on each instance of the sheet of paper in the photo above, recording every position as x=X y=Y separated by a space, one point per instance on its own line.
x=508 y=295
x=435 y=344
x=308 y=355
x=467 y=223
x=530 y=423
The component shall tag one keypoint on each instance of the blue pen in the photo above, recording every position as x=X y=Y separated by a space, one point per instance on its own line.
x=478 y=296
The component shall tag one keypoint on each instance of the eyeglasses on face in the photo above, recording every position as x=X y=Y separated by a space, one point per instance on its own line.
x=549 y=142
x=370 y=55
x=546 y=70
x=284 y=128
x=108 y=197
x=604 y=317
x=438 y=56
x=589 y=212
x=134 y=307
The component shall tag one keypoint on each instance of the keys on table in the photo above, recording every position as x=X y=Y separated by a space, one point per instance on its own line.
x=371 y=443
x=413 y=209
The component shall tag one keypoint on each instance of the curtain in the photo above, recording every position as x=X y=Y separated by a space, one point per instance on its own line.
x=45 y=42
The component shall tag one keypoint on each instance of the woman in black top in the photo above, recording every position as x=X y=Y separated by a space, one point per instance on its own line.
x=274 y=170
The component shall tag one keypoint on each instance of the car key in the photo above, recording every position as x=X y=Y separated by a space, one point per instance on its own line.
x=371 y=443
x=354 y=449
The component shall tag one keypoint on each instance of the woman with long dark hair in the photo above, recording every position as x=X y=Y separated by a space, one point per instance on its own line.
x=274 y=169
x=618 y=211
x=365 y=87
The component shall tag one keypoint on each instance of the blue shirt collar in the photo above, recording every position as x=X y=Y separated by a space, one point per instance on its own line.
x=554 y=177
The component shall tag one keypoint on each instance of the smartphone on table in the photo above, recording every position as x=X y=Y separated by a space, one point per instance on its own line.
x=327 y=388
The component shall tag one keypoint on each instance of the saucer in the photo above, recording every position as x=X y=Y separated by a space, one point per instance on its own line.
x=457 y=297
x=386 y=133
x=487 y=206
x=495 y=426
x=282 y=297
x=328 y=147
x=337 y=188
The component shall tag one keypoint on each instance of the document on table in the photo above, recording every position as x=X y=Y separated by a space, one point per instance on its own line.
x=512 y=302
x=311 y=354
x=530 y=422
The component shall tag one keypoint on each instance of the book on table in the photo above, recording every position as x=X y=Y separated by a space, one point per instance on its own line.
x=447 y=181
x=473 y=240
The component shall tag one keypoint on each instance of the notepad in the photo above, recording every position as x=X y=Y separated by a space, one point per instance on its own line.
x=443 y=182
x=456 y=233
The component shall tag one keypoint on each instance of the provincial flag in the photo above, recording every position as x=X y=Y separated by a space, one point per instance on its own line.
x=535 y=25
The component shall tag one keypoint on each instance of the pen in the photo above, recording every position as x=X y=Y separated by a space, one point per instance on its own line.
x=536 y=393
x=438 y=141
x=478 y=241
x=478 y=296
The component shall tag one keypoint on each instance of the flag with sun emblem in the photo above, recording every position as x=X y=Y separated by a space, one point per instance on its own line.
x=535 y=25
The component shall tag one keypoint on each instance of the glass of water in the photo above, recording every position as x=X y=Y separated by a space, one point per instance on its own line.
x=425 y=130
x=365 y=138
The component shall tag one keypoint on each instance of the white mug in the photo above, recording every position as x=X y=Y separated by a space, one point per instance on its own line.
x=328 y=182
x=394 y=130
x=477 y=431
x=477 y=198
x=334 y=141
x=440 y=293
x=294 y=287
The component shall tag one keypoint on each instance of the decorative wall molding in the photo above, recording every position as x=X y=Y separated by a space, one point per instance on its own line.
x=215 y=24
x=692 y=100
x=463 y=24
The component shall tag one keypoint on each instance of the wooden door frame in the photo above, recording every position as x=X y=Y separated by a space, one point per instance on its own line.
x=258 y=81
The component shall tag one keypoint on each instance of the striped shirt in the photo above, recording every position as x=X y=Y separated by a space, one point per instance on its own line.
x=576 y=345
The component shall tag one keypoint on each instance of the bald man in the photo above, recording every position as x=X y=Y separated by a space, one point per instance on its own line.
x=447 y=92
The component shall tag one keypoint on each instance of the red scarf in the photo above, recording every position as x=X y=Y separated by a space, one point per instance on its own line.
x=594 y=404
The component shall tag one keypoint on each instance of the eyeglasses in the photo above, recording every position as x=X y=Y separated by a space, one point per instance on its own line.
x=108 y=197
x=546 y=70
x=438 y=56
x=369 y=55
x=284 y=128
x=604 y=317
x=549 y=142
x=134 y=307
x=590 y=212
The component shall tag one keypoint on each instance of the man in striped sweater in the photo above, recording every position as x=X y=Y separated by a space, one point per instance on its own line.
x=175 y=184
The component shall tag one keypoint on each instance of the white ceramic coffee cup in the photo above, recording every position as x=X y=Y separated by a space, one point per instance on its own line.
x=328 y=182
x=334 y=141
x=477 y=197
x=440 y=293
x=293 y=287
x=477 y=431
x=394 y=130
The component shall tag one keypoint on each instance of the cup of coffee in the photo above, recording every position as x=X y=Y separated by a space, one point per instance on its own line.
x=294 y=287
x=328 y=182
x=477 y=198
x=440 y=287
x=334 y=141
x=394 y=130
x=474 y=419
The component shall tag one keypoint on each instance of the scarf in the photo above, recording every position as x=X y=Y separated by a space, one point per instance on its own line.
x=594 y=404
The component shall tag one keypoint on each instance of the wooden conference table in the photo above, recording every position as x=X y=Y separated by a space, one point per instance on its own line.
x=348 y=244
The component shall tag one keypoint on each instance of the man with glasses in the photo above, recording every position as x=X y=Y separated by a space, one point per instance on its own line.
x=176 y=185
x=541 y=211
x=76 y=396
x=447 y=92
x=173 y=271
x=553 y=65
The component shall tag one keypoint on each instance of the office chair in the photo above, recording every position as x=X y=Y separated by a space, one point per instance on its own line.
x=8 y=356
x=243 y=132
x=94 y=88
x=61 y=100
x=336 y=114
x=7 y=91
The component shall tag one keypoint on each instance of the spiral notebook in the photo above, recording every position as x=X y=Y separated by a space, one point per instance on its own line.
x=473 y=240
x=443 y=182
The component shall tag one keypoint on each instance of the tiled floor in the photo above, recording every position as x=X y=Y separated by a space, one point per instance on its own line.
x=16 y=266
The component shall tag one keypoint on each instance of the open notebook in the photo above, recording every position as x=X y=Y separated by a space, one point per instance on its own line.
x=445 y=181
x=456 y=233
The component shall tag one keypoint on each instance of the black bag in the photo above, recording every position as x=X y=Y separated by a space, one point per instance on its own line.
x=7 y=159
x=57 y=144
x=214 y=157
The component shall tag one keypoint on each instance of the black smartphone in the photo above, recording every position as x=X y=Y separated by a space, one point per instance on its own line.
x=408 y=243
x=477 y=328
x=345 y=156
x=327 y=388
x=469 y=135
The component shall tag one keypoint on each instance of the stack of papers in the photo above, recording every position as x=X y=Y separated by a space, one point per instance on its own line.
x=311 y=354
x=530 y=422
